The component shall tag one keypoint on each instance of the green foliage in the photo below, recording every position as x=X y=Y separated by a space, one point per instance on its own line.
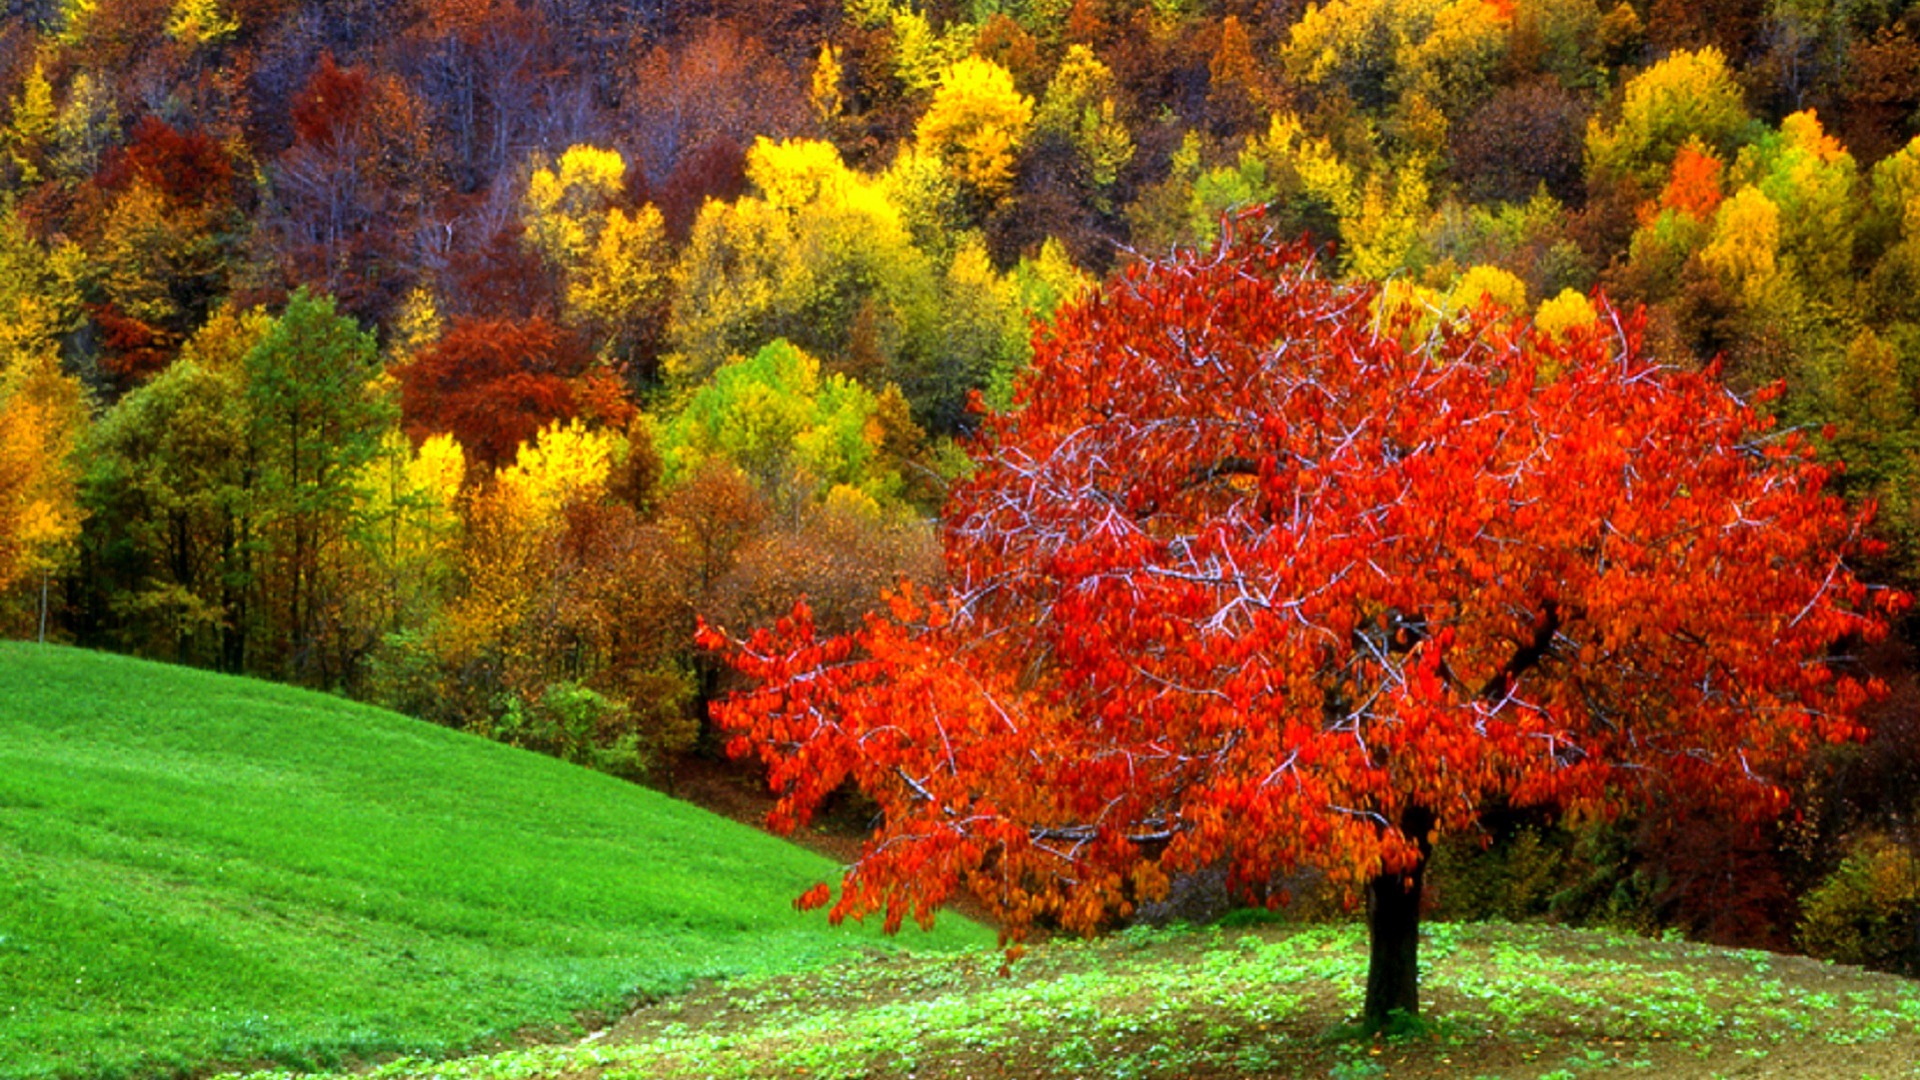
x=774 y=415
x=315 y=419
x=169 y=498
x=218 y=871
x=1812 y=179
x=573 y=723
x=1868 y=911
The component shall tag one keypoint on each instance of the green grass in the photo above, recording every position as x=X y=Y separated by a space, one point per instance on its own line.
x=1514 y=1002
x=198 y=870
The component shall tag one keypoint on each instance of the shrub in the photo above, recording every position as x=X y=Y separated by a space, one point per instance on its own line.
x=1868 y=911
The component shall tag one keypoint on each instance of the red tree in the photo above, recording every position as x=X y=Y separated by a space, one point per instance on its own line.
x=493 y=383
x=1247 y=577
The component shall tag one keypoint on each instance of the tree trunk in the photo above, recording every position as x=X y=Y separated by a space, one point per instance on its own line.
x=1393 y=918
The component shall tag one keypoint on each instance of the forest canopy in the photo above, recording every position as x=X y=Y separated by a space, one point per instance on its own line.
x=459 y=355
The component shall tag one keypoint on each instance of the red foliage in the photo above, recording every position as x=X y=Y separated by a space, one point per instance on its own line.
x=328 y=109
x=189 y=168
x=493 y=383
x=498 y=276
x=134 y=351
x=718 y=170
x=1244 y=579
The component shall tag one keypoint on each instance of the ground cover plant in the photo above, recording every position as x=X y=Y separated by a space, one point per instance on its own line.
x=1509 y=1001
x=201 y=870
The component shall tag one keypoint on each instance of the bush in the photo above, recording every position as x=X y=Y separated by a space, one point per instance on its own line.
x=1868 y=911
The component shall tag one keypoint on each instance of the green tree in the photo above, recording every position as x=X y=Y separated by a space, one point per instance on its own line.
x=170 y=532
x=796 y=431
x=315 y=420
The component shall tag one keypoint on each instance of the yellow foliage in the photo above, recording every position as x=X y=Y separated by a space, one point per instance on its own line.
x=566 y=463
x=1382 y=234
x=1814 y=182
x=920 y=56
x=977 y=123
x=625 y=275
x=417 y=326
x=225 y=339
x=1567 y=311
x=41 y=416
x=1312 y=160
x=823 y=90
x=1745 y=245
x=26 y=139
x=200 y=22
x=408 y=502
x=1488 y=284
x=1386 y=48
x=1687 y=95
x=1079 y=105
x=1896 y=189
x=566 y=204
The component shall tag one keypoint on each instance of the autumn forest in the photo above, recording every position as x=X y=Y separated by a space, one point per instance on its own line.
x=467 y=356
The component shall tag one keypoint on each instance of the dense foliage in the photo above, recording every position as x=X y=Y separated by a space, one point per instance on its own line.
x=1261 y=573
x=457 y=354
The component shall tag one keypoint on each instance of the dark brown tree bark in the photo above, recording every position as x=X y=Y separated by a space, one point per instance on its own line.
x=1393 y=920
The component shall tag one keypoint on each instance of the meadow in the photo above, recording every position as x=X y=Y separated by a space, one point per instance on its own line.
x=203 y=871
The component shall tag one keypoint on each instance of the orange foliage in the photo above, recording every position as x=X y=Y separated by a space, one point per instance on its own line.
x=1693 y=187
x=1246 y=579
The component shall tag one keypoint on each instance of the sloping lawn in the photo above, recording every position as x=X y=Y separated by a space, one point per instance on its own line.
x=198 y=870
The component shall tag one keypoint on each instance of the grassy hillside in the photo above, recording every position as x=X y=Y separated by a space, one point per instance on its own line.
x=197 y=869
x=1507 y=1002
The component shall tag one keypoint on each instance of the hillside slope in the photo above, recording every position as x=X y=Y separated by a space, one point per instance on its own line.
x=202 y=869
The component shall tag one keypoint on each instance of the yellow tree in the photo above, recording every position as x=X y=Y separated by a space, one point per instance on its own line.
x=1688 y=95
x=820 y=255
x=27 y=138
x=406 y=533
x=1814 y=182
x=977 y=123
x=1079 y=107
x=41 y=418
x=612 y=263
x=566 y=203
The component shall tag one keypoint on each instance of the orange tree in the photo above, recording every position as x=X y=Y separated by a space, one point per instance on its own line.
x=1255 y=576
